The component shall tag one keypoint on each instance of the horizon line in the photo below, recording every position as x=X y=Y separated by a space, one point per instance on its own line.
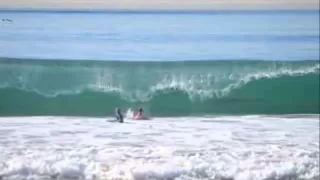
x=160 y=10
x=84 y=60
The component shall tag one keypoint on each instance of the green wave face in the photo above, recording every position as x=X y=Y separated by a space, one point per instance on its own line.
x=179 y=88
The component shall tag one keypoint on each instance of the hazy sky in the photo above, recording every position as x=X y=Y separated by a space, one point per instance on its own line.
x=160 y=4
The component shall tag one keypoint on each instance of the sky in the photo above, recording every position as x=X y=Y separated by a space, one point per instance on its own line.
x=159 y=4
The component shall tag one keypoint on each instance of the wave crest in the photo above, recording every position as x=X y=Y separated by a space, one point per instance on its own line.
x=190 y=87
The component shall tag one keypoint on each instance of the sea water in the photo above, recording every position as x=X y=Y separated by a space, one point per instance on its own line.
x=251 y=147
x=232 y=95
x=149 y=36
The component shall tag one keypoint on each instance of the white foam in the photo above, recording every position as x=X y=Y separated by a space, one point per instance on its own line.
x=205 y=86
x=268 y=74
x=239 y=147
x=198 y=84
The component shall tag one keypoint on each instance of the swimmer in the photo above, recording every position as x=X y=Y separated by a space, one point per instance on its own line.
x=119 y=115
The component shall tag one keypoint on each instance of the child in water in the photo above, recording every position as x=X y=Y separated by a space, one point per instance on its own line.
x=119 y=115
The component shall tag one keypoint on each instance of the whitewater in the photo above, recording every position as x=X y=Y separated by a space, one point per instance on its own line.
x=251 y=147
x=232 y=95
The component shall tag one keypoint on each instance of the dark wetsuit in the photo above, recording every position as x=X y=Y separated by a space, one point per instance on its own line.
x=119 y=117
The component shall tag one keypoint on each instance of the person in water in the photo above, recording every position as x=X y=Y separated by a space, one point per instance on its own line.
x=119 y=115
x=139 y=113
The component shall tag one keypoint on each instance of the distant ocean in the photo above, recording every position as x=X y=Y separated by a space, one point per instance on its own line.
x=149 y=36
x=232 y=95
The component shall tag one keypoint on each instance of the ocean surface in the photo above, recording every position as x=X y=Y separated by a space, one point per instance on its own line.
x=149 y=36
x=251 y=147
x=95 y=88
x=232 y=95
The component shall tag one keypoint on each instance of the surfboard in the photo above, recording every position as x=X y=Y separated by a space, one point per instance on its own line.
x=113 y=121
x=141 y=118
x=116 y=121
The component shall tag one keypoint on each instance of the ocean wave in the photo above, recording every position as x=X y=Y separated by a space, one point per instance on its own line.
x=191 y=87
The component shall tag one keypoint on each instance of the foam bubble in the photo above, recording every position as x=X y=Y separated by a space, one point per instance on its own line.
x=185 y=148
